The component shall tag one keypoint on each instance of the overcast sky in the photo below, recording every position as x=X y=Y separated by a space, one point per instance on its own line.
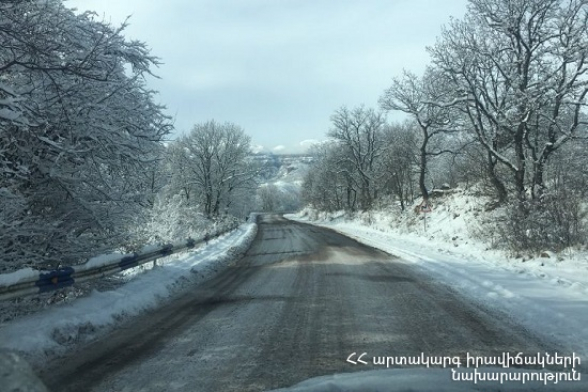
x=277 y=68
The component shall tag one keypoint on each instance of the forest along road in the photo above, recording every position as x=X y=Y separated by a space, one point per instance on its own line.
x=296 y=306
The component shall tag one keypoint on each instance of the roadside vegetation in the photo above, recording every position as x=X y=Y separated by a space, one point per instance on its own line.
x=500 y=107
x=86 y=161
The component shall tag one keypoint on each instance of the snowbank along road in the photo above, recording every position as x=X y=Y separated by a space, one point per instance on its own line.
x=296 y=306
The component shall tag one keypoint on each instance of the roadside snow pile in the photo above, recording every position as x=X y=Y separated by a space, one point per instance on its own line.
x=549 y=295
x=108 y=258
x=18 y=276
x=51 y=331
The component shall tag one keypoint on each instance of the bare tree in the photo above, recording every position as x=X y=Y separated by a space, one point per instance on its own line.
x=519 y=70
x=359 y=133
x=212 y=165
x=399 y=162
x=77 y=128
x=328 y=186
x=268 y=196
x=424 y=99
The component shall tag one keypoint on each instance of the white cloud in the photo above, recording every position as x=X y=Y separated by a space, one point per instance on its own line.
x=308 y=143
x=256 y=148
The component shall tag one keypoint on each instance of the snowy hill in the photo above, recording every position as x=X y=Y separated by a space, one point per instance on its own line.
x=293 y=169
x=290 y=175
x=284 y=170
x=283 y=181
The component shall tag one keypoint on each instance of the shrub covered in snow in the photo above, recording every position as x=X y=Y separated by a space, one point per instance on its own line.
x=553 y=223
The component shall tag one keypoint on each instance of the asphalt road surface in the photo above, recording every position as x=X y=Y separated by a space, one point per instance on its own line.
x=296 y=306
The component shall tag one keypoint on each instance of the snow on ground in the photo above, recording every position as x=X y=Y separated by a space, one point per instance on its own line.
x=548 y=295
x=52 y=331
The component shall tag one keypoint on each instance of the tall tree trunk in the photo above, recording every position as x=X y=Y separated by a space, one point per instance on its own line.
x=423 y=164
x=519 y=174
x=498 y=185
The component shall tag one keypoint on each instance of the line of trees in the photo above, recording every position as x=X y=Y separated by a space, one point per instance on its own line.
x=85 y=166
x=79 y=133
x=365 y=163
x=211 y=166
x=502 y=105
x=206 y=177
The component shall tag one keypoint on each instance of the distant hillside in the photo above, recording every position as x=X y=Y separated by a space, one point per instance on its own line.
x=282 y=181
x=284 y=170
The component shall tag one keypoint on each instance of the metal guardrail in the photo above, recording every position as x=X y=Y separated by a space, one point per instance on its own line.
x=66 y=276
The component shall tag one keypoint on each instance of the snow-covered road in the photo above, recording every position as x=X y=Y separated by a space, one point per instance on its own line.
x=296 y=306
